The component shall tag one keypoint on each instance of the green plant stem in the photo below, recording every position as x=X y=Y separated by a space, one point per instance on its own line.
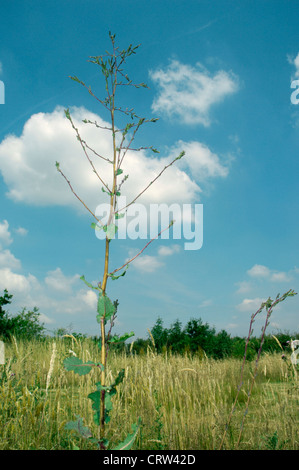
x=106 y=265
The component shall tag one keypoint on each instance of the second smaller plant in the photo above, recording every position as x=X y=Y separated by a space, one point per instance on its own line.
x=269 y=305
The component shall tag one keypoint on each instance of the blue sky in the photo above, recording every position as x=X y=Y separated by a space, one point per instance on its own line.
x=219 y=76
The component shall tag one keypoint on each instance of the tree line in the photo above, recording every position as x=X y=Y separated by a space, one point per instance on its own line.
x=195 y=338
x=199 y=338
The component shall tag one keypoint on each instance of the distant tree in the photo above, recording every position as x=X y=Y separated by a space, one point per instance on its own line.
x=200 y=335
x=79 y=336
x=140 y=346
x=5 y=299
x=25 y=324
x=160 y=335
x=177 y=340
x=222 y=345
x=238 y=348
x=60 y=332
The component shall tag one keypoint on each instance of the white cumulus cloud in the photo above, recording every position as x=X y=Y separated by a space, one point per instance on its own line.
x=189 y=92
x=28 y=165
x=89 y=298
x=56 y=294
x=202 y=163
x=5 y=235
x=57 y=281
x=8 y=260
x=28 y=162
x=15 y=282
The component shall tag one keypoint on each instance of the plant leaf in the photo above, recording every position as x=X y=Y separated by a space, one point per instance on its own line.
x=76 y=79
x=106 y=308
x=96 y=226
x=78 y=426
x=129 y=441
x=119 y=216
x=119 y=378
x=95 y=397
x=90 y=285
x=76 y=364
x=120 y=275
x=110 y=391
x=119 y=339
x=67 y=113
x=181 y=155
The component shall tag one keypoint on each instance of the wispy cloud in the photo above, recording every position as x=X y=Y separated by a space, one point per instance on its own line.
x=147 y=263
x=244 y=287
x=250 y=305
x=21 y=231
x=262 y=278
x=205 y=303
x=168 y=250
x=151 y=263
x=189 y=92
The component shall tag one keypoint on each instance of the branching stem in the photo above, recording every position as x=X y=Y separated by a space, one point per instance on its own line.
x=111 y=69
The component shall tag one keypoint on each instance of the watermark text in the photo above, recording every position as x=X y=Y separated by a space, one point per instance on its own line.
x=146 y=222
x=2 y=93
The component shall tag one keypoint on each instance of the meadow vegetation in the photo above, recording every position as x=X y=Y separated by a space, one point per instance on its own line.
x=184 y=401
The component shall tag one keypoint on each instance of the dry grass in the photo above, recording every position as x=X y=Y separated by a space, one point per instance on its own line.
x=184 y=402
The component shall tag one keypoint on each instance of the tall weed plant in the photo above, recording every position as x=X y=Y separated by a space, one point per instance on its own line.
x=111 y=65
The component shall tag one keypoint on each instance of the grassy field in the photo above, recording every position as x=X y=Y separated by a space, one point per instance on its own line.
x=184 y=402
